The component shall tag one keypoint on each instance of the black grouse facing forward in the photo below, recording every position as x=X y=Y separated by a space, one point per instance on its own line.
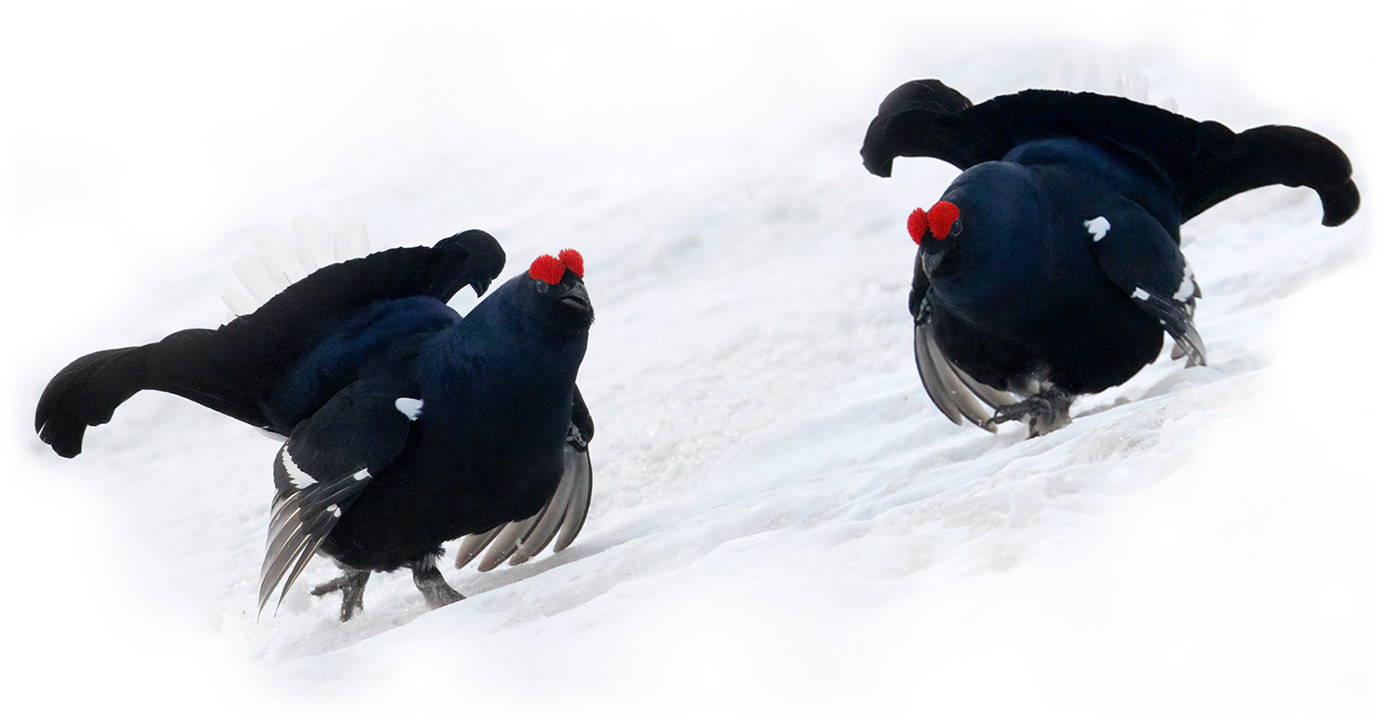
x=407 y=425
x=1051 y=266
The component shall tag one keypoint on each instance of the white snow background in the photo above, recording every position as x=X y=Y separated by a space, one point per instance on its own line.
x=783 y=524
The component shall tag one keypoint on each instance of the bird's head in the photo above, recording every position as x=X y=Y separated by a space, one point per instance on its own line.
x=988 y=234
x=557 y=292
x=936 y=231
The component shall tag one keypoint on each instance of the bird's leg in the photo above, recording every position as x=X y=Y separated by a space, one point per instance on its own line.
x=430 y=582
x=1046 y=412
x=352 y=585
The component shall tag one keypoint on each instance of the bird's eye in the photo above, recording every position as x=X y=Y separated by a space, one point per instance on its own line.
x=956 y=229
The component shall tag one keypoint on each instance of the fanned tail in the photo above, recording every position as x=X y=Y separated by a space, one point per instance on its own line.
x=278 y=262
x=1204 y=162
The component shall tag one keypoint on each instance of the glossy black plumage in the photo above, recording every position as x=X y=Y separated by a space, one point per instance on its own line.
x=1063 y=271
x=406 y=424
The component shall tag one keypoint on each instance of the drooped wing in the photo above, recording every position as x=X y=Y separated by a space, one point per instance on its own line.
x=954 y=392
x=561 y=519
x=1205 y=161
x=1141 y=259
x=327 y=462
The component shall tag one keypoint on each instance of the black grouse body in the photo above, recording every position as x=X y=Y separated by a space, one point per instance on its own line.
x=405 y=424
x=1051 y=266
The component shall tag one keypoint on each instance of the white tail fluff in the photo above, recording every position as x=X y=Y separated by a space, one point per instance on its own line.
x=1093 y=71
x=277 y=261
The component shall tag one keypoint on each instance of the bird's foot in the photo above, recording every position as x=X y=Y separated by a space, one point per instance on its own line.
x=352 y=585
x=430 y=582
x=1045 y=412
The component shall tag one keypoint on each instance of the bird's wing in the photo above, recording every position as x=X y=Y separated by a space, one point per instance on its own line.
x=1205 y=162
x=561 y=519
x=954 y=392
x=237 y=368
x=256 y=351
x=1141 y=259
x=327 y=462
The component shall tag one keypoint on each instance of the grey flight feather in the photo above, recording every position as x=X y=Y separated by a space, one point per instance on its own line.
x=955 y=397
x=559 y=522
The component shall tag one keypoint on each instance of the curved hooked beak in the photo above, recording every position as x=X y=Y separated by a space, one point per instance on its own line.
x=576 y=296
x=480 y=286
x=929 y=262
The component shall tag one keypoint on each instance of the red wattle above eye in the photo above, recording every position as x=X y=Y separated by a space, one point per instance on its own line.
x=918 y=222
x=547 y=268
x=941 y=218
x=573 y=260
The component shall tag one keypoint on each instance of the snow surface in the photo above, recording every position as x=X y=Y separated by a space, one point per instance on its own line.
x=782 y=523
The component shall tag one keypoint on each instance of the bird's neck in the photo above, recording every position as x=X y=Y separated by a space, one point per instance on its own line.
x=504 y=357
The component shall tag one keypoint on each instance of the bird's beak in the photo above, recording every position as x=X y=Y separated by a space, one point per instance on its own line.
x=480 y=286
x=929 y=261
x=577 y=297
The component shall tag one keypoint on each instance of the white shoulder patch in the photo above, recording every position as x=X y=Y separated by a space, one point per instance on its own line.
x=1140 y=294
x=1097 y=227
x=411 y=407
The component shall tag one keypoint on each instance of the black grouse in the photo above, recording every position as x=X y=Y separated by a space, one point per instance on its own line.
x=407 y=424
x=1051 y=266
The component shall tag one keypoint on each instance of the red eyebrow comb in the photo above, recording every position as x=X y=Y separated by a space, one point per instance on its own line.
x=938 y=221
x=918 y=223
x=941 y=218
x=548 y=269
x=572 y=259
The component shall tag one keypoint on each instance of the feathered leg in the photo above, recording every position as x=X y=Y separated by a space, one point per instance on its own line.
x=430 y=582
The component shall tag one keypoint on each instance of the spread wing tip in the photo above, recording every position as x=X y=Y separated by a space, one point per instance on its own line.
x=559 y=522
x=954 y=394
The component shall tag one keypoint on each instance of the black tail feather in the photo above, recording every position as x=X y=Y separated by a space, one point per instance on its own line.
x=195 y=364
x=1284 y=155
x=236 y=368
x=1205 y=162
x=86 y=393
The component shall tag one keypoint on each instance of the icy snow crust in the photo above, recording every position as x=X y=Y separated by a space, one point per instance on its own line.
x=782 y=522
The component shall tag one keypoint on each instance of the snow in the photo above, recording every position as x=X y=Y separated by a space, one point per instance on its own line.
x=782 y=523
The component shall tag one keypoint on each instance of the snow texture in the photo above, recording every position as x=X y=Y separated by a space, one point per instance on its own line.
x=782 y=524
